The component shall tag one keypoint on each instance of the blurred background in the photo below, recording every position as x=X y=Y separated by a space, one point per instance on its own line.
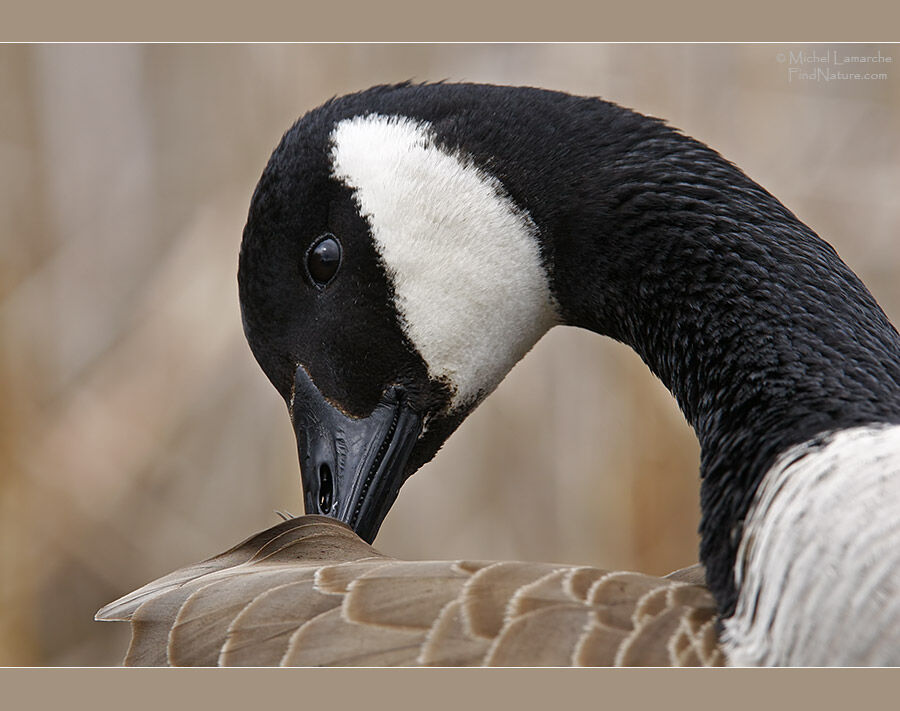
x=138 y=435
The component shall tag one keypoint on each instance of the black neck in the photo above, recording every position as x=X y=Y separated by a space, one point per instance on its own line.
x=763 y=335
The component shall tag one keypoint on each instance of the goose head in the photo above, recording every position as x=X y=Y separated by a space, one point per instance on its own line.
x=387 y=284
x=407 y=245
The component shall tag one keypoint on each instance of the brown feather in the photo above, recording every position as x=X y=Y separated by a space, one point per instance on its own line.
x=261 y=633
x=310 y=592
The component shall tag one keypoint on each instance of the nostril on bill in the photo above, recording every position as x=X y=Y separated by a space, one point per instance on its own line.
x=326 y=489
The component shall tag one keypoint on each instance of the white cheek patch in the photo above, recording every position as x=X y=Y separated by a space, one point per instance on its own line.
x=818 y=567
x=463 y=259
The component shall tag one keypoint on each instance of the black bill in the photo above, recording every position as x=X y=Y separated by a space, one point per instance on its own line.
x=352 y=468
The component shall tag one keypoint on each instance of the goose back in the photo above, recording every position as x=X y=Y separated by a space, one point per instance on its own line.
x=309 y=592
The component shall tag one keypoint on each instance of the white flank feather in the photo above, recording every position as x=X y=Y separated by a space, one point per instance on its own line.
x=818 y=567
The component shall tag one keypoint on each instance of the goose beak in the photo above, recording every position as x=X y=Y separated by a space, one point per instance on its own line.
x=352 y=468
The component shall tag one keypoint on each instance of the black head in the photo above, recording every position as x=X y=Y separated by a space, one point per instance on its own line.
x=386 y=285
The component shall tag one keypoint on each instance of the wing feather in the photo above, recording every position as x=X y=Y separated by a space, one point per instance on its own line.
x=310 y=592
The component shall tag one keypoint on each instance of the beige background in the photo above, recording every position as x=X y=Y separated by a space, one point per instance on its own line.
x=138 y=435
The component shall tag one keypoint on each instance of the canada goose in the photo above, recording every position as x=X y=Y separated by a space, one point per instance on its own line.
x=408 y=244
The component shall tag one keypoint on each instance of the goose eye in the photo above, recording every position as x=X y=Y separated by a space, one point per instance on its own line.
x=323 y=260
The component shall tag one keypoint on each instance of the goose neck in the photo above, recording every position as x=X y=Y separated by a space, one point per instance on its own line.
x=763 y=335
